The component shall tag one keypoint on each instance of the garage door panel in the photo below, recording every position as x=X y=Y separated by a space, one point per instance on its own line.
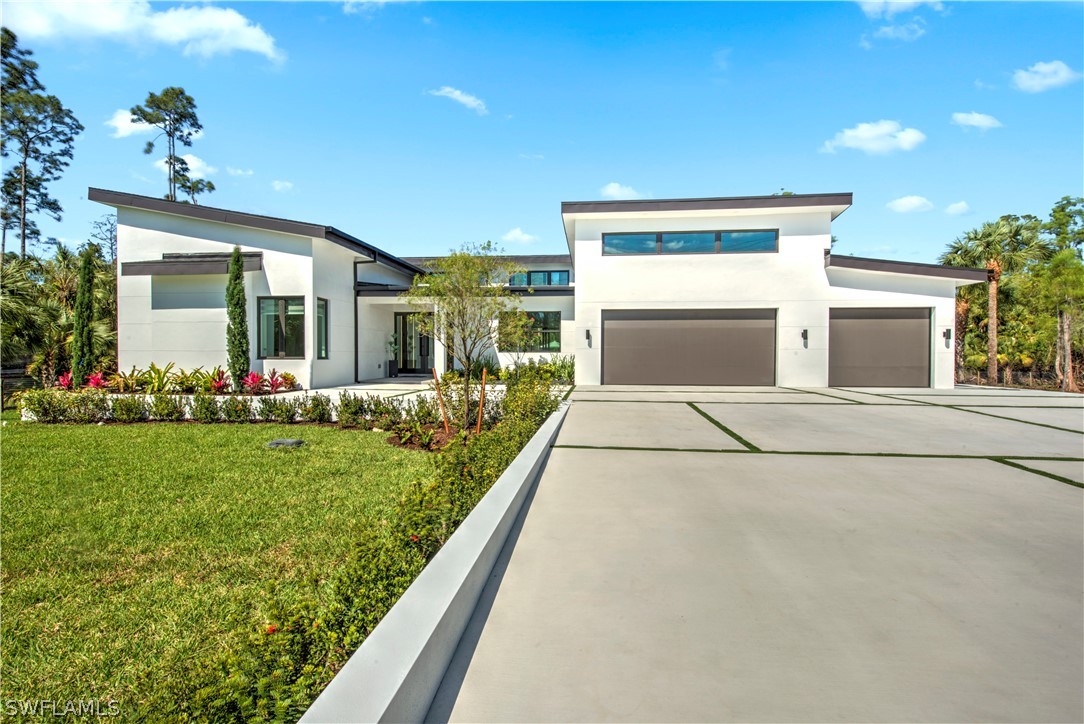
x=689 y=347
x=872 y=347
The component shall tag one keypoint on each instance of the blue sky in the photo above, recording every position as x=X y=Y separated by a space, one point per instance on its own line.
x=421 y=126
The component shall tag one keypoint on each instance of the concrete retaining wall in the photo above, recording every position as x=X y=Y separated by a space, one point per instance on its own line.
x=395 y=674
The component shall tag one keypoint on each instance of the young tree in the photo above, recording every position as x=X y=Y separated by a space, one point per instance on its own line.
x=39 y=132
x=194 y=187
x=466 y=293
x=237 y=349
x=173 y=112
x=1002 y=246
x=82 y=323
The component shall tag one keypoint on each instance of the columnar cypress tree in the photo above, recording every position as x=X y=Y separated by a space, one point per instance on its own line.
x=82 y=332
x=237 y=353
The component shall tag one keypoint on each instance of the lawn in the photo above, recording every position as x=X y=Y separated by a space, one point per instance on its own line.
x=126 y=549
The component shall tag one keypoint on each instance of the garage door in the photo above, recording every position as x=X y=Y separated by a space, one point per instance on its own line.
x=879 y=347
x=688 y=347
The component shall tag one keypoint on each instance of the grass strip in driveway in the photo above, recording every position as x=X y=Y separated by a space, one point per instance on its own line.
x=824 y=394
x=748 y=445
x=1045 y=474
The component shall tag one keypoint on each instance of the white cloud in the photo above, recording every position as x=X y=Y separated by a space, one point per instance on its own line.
x=983 y=85
x=532 y=156
x=238 y=171
x=958 y=209
x=614 y=190
x=282 y=186
x=910 y=204
x=124 y=125
x=880 y=137
x=519 y=236
x=907 y=32
x=975 y=120
x=1044 y=76
x=197 y=167
x=201 y=30
x=466 y=99
x=887 y=8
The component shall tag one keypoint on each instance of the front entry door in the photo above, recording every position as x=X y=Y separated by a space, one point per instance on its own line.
x=415 y=348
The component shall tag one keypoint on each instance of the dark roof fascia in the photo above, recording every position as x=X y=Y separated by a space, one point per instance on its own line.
x=364 y=289
x=722 y=203
x=905 y=267
x=378 y=255
x=178 y=264
x=206 y=213
x=522 y=258
x=256 y=221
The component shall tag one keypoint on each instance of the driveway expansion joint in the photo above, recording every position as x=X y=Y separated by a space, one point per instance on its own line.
x=750 y=446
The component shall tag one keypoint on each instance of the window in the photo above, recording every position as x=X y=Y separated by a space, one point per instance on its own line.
x=539 y=279
x=544 y=333
x=280 y=327
x=321 y=328
x=739 y=241
x=699 y=242
x=628 y=243
x=692 y=242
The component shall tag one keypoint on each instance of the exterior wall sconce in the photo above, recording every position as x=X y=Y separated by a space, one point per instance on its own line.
x=947 y=334
x=805 y=335
x=588 y=337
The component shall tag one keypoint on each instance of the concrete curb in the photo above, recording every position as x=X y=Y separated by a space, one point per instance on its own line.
x=395 y=673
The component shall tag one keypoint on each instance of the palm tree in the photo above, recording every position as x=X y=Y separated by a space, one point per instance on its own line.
x=1003 y=246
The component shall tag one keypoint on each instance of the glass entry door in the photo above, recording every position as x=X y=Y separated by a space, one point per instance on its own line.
x=415 y=348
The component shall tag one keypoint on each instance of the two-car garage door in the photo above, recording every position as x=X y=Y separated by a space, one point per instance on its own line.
x=688 y=347
x=867 y=347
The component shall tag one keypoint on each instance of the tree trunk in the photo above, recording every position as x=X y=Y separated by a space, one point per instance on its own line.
x=22 y=206
x=1065 y=326
x=991 y=332
x=962 y=308
x=1059 y=373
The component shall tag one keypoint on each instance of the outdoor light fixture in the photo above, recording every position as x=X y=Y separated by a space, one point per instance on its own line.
x=805 y=335
x=947 y=334
x=588 y=337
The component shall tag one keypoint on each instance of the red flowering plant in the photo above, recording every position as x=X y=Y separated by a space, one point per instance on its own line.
x=254 y=383
x=275 y=382
x=96 y=381
x=219 y=381
x=65 y=381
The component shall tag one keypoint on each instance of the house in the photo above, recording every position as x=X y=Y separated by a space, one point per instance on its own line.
x=720 y=291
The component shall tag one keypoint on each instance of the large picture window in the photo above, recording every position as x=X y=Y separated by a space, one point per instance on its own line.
x=540 y=279
x=543 y=335
x=322 y=321
x=280 y=327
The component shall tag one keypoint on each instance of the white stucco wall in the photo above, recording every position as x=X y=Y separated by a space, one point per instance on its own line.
x=793 y=281
x=182 y=319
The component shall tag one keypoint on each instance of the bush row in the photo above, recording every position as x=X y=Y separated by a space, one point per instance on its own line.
x=93 y=406
x=170 y=379
x=290 y=656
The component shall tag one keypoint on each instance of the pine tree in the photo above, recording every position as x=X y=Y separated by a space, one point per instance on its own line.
x=237 y=352
x=82 y=333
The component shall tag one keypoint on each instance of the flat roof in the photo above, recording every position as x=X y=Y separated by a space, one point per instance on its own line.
x=255 y=221
x=969 y=274
x=720 y=203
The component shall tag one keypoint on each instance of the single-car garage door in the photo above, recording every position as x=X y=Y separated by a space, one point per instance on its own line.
x=879 y=347
x=688 y=347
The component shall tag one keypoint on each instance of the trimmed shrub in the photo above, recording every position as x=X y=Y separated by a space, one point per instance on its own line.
x=353 y=410
x=46 y=405
x=274 y=409
x=205 y=408
x=424 y=410
x=130 y=408
x=316 y=408
x=237 y=409
x=167 y=408
x=88 y=406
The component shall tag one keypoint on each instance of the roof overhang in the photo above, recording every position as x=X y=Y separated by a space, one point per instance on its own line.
x=179 y=264
x=368 y=289
x=254 y=221
x=961 y=275
x=835 y=203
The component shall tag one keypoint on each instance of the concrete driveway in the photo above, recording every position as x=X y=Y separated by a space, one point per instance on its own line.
x=701 y=554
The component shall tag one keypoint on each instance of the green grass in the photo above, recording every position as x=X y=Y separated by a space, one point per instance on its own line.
x=126 y=549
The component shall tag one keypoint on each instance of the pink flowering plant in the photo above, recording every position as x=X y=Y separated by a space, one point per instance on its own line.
x=275 y=382
x=97 y=381
x=64 y=381
x=254 y=383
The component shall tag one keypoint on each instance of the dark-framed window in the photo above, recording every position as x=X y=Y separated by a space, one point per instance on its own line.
x=280 y=327
x=323 y=322
x=746 y=241
x=544 y=334
x=540 y=279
